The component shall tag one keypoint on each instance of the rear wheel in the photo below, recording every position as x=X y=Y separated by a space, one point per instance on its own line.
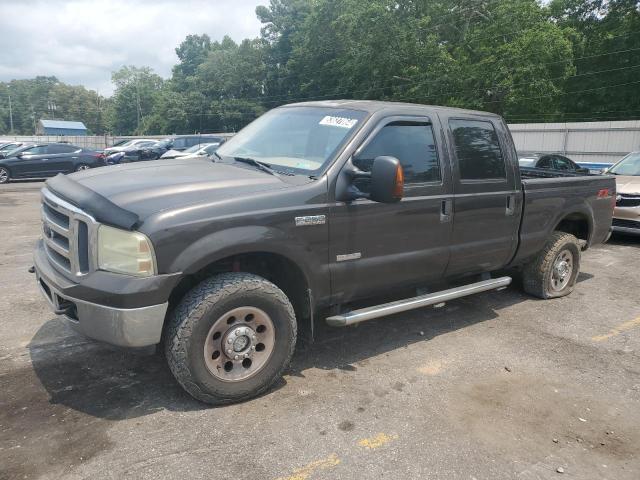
x=82 y=166
x=554 y=271
x=5 y=176
x=230 y=338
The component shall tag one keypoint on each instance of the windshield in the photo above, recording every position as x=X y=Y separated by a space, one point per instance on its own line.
x=629 y=165
x=301 y=139
x=166 y=143
x=7 y=147
x=15 y=151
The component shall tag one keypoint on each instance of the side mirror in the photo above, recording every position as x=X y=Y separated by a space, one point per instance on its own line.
x=20 y=154
x=387 y=180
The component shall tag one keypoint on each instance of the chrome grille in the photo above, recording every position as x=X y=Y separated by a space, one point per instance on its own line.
x=624 y=200
x=68 y=235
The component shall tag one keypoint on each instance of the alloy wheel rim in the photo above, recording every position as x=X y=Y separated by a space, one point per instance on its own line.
x=83 y=167
x=4 y=175
x=239 y=344
x=562 y=270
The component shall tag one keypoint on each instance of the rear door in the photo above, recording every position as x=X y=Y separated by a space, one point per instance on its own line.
x=61 y=158
x=487 y=204
x=376 y=246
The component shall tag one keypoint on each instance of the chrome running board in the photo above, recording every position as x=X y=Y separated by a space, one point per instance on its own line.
x=369 y=313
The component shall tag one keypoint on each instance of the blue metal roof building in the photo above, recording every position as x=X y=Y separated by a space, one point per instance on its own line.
x=60 y=127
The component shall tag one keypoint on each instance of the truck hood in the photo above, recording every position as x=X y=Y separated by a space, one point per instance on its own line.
x=628 y=184
x=150 y=187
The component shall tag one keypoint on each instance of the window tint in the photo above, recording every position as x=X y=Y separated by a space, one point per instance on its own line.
x=545 y=162
x=477 y=150
x=412 y=144
x=39 y=150
x=563 y=163
x=61 y=149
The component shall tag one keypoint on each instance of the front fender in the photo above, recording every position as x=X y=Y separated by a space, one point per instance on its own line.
x=255 y=239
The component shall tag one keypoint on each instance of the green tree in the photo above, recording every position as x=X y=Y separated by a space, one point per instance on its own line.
x=137 y=91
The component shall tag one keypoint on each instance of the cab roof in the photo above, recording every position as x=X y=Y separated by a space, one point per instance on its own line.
x=373 y=106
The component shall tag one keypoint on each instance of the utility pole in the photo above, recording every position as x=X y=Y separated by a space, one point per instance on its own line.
x=52 y=107
x=139 y=111
x=10 y=114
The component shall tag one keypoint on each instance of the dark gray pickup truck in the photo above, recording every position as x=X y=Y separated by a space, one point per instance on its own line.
x=311 y=208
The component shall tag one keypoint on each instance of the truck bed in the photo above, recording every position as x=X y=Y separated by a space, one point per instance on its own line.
x=550 y=197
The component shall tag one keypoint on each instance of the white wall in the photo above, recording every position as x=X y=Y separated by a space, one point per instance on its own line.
x=586 y=142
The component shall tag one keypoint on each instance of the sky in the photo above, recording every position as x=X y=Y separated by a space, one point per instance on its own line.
x=82 y=41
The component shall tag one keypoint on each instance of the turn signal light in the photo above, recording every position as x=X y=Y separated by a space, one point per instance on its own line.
x=398 y=190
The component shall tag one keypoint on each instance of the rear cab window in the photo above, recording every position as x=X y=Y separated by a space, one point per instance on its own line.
x=484 y=160
x=477 y=149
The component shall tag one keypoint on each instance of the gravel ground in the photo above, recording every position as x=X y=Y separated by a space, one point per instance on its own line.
x=495 y=386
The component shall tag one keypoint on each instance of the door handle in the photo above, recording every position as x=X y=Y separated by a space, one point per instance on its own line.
x=511 y=204
x=445 y=210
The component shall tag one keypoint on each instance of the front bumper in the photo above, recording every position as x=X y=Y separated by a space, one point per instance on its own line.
x=136 y=326
x=624 y=225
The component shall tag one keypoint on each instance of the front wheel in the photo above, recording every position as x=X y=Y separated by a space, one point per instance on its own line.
x=554 y=271
x=230 y=338
x=5 y=176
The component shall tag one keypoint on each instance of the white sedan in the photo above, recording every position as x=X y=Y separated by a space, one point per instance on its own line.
x=201 y=150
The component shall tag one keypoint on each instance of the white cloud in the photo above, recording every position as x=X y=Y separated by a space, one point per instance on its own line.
x=83 y=41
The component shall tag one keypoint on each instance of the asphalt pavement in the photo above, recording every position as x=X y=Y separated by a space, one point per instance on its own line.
x=495 y=386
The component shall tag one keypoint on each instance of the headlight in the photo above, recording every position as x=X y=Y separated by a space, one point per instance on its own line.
x=126 y=252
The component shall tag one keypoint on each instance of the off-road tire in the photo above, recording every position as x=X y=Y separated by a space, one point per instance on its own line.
x=188 y=326
x=536 y=275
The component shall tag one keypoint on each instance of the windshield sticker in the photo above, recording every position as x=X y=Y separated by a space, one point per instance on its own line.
x=342 y=122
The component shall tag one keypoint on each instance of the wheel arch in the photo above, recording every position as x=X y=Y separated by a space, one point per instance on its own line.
x=578 y=223
x=281 y=270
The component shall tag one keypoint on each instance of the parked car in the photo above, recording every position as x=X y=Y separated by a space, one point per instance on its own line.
x=178 y=144
x=200 y=150
x=552 y=161
x=128 y=154
x=46 y=160
x=8 y=147
x=310 y=208
x=137 y=142
x=626 y=216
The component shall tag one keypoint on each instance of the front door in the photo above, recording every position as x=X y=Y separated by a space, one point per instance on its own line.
x=32 y=163
x=374 y=246
x=486 y=201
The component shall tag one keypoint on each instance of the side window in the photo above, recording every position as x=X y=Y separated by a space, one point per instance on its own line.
x=61 y=149
x=562 y=163
x=411 y=143
x=39 y=150
x=477 y=149
x=545 y=162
